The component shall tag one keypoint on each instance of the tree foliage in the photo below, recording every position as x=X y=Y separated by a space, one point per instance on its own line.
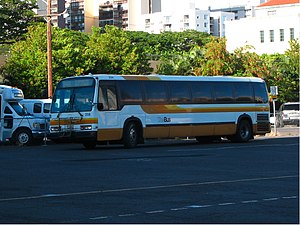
x=112 y=52
x=15 y=16
x=284 y=72
x=26 y=67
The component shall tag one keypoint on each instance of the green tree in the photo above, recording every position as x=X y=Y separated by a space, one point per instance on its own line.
x=216 y=59
x=284 y=72
x=26 y=66
x=15 y=17
x=247 y=63
x=112 y=52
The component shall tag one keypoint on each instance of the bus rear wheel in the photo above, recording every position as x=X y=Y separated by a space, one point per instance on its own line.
x=243 y=132
x=130 y=136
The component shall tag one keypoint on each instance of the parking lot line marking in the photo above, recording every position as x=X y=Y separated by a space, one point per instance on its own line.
x=249 y=201
x=289 y=197
x=270 y=199
x=230 y=147
x=99 y=218
x=196 y=206
x=227 y=203
x=155 y=211
x=146 y=188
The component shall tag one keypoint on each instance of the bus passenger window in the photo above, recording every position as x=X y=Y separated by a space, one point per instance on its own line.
x=201 y=92
x=179 y=92
x=155 y=92
x=223 y=92
x=130 y=92
x=243 y=92
x=108 y=98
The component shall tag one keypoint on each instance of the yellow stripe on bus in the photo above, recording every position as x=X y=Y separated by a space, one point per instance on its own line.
x=74 y=121
x=156 y=109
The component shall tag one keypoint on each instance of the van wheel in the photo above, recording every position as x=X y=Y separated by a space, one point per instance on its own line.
x=23 y=137
x=243 y=132
x=130 y=136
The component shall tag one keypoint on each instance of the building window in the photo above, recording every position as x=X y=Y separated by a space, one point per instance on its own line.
x=292 y=33
x=262 y=36
x=271 y=35
x=281 y=34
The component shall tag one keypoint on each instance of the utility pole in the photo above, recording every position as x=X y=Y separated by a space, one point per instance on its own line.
x=49 y=49
x=48 y=18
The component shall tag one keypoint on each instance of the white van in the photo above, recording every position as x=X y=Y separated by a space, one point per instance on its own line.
x=40 y=108
x=16 y=125
x=290 y=113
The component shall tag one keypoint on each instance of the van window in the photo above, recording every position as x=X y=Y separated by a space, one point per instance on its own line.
x=37 y=107
x=291 y=107
x=47 y=107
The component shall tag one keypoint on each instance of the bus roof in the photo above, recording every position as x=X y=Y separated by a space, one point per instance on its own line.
x=170 y=78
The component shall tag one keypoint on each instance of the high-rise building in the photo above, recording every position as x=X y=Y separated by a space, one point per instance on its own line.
x=114 y=13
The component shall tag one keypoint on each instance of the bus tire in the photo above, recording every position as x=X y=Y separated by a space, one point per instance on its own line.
x=23 y=136
x=130 y=136
x=243 y=132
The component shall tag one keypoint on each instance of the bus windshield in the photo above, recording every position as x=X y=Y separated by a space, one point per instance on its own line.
x=73 y=96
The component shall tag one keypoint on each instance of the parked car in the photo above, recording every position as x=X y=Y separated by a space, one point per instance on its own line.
x=289 y=113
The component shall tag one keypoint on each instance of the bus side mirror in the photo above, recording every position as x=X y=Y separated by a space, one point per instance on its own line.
x=100 y=106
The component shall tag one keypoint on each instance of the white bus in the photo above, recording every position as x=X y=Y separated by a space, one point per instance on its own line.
x=93 y=109
x=16 y=125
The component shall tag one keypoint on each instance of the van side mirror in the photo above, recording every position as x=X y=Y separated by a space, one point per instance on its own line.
x=100 y=106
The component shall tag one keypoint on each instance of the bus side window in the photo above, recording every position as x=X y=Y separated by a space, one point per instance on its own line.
x=243 y=92
x=201 y=92
x=223 y=92
x=108 y=98
x=261 y=94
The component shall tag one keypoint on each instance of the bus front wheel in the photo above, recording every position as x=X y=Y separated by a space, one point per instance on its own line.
x=130 y=136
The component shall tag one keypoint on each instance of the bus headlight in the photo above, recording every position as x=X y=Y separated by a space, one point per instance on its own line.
x=85 y=127
x=54 y=129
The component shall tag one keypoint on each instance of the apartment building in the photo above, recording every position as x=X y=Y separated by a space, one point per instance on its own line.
x=114 y=13
x=270 y=28
x=57 y=6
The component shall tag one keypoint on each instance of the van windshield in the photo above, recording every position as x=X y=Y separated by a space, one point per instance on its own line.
x=291 y=107
x=18 y=108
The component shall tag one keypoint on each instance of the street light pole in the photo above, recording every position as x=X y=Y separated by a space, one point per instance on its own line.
x=49 y=49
